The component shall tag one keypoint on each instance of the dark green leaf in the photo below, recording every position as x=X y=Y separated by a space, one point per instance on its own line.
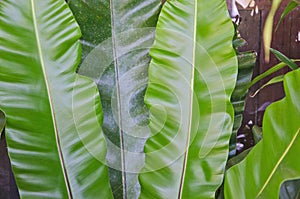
x=238 y=42
x=290 y=189
x=246 y=63
x=191 y=77
x=238 y=158
x=54 y=116
x=117 y=36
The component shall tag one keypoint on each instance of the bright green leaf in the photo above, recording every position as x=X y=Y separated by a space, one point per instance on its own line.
x=191 y=77
x=55 y=144
x=272 y=70
x=290 y=63
x=291 y=6
x=274 y=159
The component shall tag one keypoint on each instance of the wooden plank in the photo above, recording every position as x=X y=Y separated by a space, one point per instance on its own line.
x=286 y=40
x=281 y=41
x=295 y=34
x=8 y=187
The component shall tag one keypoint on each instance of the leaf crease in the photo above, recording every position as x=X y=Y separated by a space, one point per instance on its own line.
x=42 y=62
x=279 y=161
x=191 y=101
x=118 y=100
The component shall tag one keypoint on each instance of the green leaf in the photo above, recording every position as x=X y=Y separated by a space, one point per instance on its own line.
x=284 y=59
x=238 y=42
x=54 y=116
x=191 y=77
x=275 y=158
x=2 y=122
x=246 y=63
x=268 y=29
x=237 y=159
x=117 y=36
x=270 y=71
x=274 y=80
x=291 y=6
x=273 y=69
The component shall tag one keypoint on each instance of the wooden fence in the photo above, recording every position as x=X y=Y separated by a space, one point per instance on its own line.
x=286 y=39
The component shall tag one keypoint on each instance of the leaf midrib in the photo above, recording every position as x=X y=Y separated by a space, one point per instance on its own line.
x=42 y=62
x=279 y=162
x=123 y=161
x=191 y=101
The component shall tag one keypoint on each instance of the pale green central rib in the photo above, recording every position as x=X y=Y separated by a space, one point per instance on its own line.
x=42 y=62
x=278 y=163
x=191 y=102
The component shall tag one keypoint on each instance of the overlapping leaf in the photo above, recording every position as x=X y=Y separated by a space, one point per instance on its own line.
x=56 y=145
x=290 y=189
x=246 y=63
x=116 y=39
x=191 y=77
x=289 y=8
x=275 y=158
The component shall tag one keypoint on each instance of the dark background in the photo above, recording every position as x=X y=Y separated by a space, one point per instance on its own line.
x=285 y=40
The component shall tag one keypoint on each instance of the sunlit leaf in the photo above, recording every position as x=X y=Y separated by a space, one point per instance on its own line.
x=191 y=77
x=55 y=144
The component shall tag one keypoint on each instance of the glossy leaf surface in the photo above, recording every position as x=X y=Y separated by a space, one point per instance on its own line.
x=191 y=77
x=55 y=144
x=275 y=158
x=246 y=63
x=116 y=39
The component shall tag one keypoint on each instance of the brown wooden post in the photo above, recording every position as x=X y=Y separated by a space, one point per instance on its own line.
x=285 y=39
